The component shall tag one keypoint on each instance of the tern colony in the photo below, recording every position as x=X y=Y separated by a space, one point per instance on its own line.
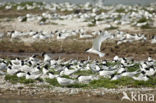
x=34 y=68
x=93 y=14
x=120 y=36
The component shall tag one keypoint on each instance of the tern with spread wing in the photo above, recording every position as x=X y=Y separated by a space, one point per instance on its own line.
x=97 y=44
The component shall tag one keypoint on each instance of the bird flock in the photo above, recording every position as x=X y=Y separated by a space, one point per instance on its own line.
x=94 y=15
x=35 y=68
x=118 y=36
x=69 y=72
x=134 y=15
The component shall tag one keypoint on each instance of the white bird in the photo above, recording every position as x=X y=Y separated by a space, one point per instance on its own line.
x=153 y=41
x=36 y=69
x=150 y=71
x=116 y=58
x=21 y=74
x=143 y=66
x=82 y=35
x=11 y=71
x=17 y=61
x=68 y=72
x=115 y=77
x=85 y=79
x=47 y=58
x=32 y=75
x=3 y=66
x=107 y=73
x=52 y=75
x=129 y=74
x=141 y=77
x=26 y=68
x=95 y=68
x=1 y=35
x=65 y=81
x=121 y=69
x=45 y=70
x=33 y=58
x=97 y=44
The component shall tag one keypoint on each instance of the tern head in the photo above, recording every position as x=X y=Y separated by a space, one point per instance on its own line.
x=46 y=66
x=147 y=69
x=22 y=62
x=34 y=56
x=122 y=66
x=43 y=54
x=12 y=31
x=143 y=72
x=10 y=63
x=51 y=73
x=9 y=67
x=30 y=63
x=28 y=73
x=18 y=58
x=153 y=37
x=60 y=34
x=88 y=50
x=78 y=76
x=104 y=62
x=38 y=68
x=112 y=76
x=82 y=61
x=123 y=71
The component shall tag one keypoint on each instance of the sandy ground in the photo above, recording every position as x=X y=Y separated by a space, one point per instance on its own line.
x=61 y=25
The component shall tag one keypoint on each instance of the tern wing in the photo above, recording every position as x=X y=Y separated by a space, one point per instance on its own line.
x=98 y=41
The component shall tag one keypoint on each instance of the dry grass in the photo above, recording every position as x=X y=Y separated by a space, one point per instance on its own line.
x=12 y=13
x=76 y=49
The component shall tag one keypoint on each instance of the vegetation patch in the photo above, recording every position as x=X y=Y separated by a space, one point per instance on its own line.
x=91 y=25
x=124 y=81
x=142 y=20
x=111 y=28
x=14 y=79
x=133 y=68
x=121 y=10
x=53 y=82
x=78 y=85
x=147 y=26
x=85 y=73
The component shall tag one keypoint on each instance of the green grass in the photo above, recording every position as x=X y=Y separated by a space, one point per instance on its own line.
x=66 y=76
x=112 y=63
x=43 y=19
x=102 y=82
x=78 y=85
x=24 y=19
x=53 y=82
x=91 y=25
x=141 y=20
x=133 y=68
x=14 y=79
x=118 y=18
x=147 y=26
x=124 y=81
x=111 y=28
x=121 y=10
x=53 y=23
x=84 y=73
